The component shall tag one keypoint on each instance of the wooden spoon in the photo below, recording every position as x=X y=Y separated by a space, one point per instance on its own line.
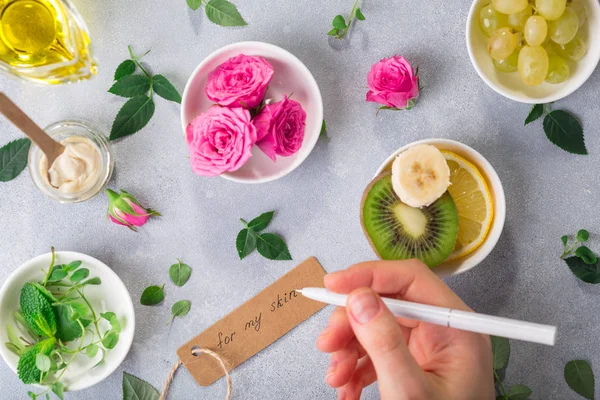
x=51 y=148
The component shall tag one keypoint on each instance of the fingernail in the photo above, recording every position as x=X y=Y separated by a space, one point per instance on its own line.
x=364 y=306
x=332 y=367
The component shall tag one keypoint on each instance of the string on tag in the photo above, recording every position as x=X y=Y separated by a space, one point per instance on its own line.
x=197 y=351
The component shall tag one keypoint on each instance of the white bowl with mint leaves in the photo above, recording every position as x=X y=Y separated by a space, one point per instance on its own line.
x=66 y=323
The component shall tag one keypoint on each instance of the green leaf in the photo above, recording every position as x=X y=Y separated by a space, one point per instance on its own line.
x=91 y=350
x=586 y=255
x=112 y=318
x=32 y=395
x=333 y=32
x=339 y=23
x=110 y=340
x=131 y=86
x=272 y=247
x=13 y=159
x=79 y=275
x=132 y=117
x=165 y=89
x=536 y=112
x=586 y=272
x=72 y=266
x=67 y=328
x=564 y=239
x=323 y=133
x=58 y=274
x=37 y=311
x=580 y=378
x=180 y=273
x=194 y=4
x=261 y=222
x=583 y=235
x=223 y=13
x=80 y=310
x=59 y=390
x=42 y=362
x=501 y=350
x=137 y=389
x=519 y=392
x=13 y=338
x=359 y=15
x=91 y=281
x=152 y=295
x=126 y=68
x=565 y=131
x=245 y=242
x=179 y=309
x=26 y=368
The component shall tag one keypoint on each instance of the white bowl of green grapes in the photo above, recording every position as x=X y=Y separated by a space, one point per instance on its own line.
x=534 y=51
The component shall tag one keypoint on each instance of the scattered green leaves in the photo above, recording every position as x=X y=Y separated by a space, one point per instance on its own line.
x=323 y=133
x=586 y=272
x=501 y=352
x=340 y=26
x=137 y=389
x=582 y=261
x=13 y=159
x=139 y=109
x=180 y=309
x=220 y=12
x=519 y=392
x=536 y=113
x=180 y=273
x=580 y=378
x=561 y=128
x=269 y=245
x=152 y=295
x=194 y=4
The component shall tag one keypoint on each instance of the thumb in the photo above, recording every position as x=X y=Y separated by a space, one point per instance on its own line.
x=379 y=333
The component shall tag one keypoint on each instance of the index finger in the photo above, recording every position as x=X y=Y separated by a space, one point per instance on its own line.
x=409 y=280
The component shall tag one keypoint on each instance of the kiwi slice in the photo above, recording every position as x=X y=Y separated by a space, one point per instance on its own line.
x=400 y=232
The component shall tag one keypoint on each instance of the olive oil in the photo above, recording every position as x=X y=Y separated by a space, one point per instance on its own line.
x=45 y=41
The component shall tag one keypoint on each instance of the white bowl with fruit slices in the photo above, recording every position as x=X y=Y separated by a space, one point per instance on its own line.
x=568 y=65
x=461 y=199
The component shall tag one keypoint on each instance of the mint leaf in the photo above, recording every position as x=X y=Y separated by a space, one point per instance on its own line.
x=359 y=15
x=127 y=67
x=339 y=22
x=110 y=340
x=165 y=89
x=536 y=112
x=67 y=329
x=180 y=309
x=272 y=247
x=500 y=350
x=223 y=13
x=152 y=295
x=131 y=86
x=132 y=117
x=79 y=275
x=519 y=392
x=565 y=131
x=26 y=368
x=586 y=255
x=180 y=273
x=261 y=222
x=137 y=389
x=37 y=311
x=583 y=235
x=586 y=272
x=245 y=242
x=194 y=4
x=580 y=378
x=13 y=159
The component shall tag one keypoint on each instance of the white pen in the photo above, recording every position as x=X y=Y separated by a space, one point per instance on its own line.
x=467 y=321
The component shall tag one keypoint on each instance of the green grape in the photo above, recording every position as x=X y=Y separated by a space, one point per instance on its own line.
x=510 y=6
x=550 y=9
x=574 y=50
x=564 y=29
x=558 y=70
x=533 y=65
x=491 y=20
x=579 y=7
x=517 y=20
x=509 y=64
x=502 y=43
x=536 y=30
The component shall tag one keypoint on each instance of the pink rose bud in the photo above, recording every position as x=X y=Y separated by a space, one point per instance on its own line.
x=240 y=81
x=393 y=83
x=220 y=140
x=124 y=209
x=280 y=128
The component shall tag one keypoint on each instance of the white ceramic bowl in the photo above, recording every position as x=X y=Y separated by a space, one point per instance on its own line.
x=111 y=295
x=466 y=263
x=510 y=85
x=291 y=76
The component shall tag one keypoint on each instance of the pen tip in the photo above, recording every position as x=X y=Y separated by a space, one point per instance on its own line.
x=299 y=290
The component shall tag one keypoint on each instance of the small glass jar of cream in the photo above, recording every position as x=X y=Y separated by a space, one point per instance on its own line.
x=81 y=171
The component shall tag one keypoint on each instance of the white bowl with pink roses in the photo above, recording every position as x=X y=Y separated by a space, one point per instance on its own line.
x=251 y=112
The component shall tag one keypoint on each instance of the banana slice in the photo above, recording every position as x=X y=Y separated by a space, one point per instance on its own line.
x=420 y=175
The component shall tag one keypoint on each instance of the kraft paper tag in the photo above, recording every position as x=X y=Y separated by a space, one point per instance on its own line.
x=255 y=324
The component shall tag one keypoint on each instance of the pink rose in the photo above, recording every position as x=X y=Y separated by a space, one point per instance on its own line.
x=124 y=209
x=220 y=140
x=280 y=128
x=393 y=83
x=240 y=81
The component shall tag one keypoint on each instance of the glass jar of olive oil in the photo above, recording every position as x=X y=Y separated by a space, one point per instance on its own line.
x=45 y=41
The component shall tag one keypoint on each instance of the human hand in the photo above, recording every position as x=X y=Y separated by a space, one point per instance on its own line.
x=409 y=359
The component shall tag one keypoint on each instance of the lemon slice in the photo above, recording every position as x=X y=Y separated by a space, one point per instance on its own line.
x=473 y=200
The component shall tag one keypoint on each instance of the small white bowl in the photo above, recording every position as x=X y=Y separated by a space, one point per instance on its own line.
x=510 y=85
x=291 y=76
x=464 y=264
x=111 y=295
